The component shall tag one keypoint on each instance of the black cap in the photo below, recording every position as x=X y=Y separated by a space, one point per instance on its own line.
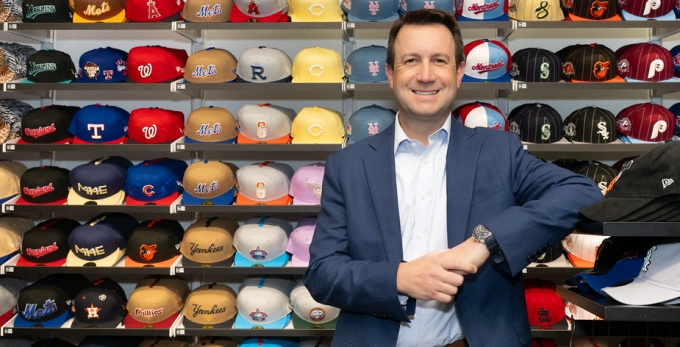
x=47 y=302
x=154 y=241
x=50 y=66
x=537 y=123
x=536 y=65
x=47 y=11
x=52 y=342
x=615 y=248
x=44 y=185
x=47 y=124
x=101 y=304
x=590 y=124
x=601 y=174
x=46 y=244
x=589 y=63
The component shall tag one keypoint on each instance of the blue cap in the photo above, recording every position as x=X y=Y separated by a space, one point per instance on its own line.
x=371 y=10
x=47 y=302
x=99 y=124
x=675 y=52
x=624 y=270
x=675 y=109
x=103 y=65
x=101 y=241
x=366 y=64
x=99 y=182
x=269 y=342
x=262 y=242
x=154 y=182
x=367 y=121
x=412 y=5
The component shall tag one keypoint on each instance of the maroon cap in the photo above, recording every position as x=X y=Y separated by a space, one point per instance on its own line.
x=645 y=62
x=646 y=122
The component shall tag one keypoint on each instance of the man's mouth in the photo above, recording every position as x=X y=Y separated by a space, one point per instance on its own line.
x=420 y=92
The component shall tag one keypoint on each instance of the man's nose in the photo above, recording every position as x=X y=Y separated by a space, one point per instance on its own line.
x=425 y=72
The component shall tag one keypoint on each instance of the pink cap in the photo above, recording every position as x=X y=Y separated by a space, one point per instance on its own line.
x=305 y=186
x=299 y=241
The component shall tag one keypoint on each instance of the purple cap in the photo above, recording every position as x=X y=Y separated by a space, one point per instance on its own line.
x=305 y=186
x=299 y=241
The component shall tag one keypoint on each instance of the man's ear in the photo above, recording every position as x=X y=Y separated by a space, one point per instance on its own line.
x=388 y=72
x=459 y=73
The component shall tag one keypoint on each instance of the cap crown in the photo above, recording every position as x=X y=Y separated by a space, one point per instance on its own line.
x=209 y=240
x=317 y=65
x=205 y=11
x=590 y=124
x=211 y=65
x=264 y=65
x=366 y=64
x=210 y=125
x=317 y=125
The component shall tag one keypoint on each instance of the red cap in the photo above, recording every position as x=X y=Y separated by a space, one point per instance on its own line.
x=153 y=64
x=155 y=125
x=544 y=306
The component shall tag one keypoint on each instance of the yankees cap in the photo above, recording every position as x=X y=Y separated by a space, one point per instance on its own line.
x=209 y=241
x=210 y=306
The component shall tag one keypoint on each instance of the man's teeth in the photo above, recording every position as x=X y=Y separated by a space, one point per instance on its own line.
x=425 y=93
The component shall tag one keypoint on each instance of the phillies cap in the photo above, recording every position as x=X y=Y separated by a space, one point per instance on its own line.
x=308 y=313
x=155 y=125
x=210 y=125
x=299 y=241
x=264 y=65
x=535 y=11
x=366 y=64
x=646 y=62
x=537 y=123
x=99 y=182
x=153 y=64
x=9 y=292
x=317 y=65
x=639 y=10
x=317 y=125
x=154 y=182
x=101 y=241
x=271 y=342
x=675 y=52
x=482 y=10
x=481 y=114
x=164 y=341
x=154 y=243
x=262 y=242
x=46 y=11
x=216 y=342
x=536 y=65
x=412 y=5
x=99 y=124
x=209 y=241
x=487 y=61
x=50 y=66
x=624 y=270
x=98 y=11
x=210 y=306
x=266 y=183
x=12 y=229
x=367 y=121
x=44 y=185
x=315 y=11
x=103 y=65
x=10 y=179
x=259 y=11
x=210 y=65
x=371 y=11
x=264 y=123
x=47 y=302
x=581 y=249
x=207 y=11
x=591 y=10
x=544 y=306
x=263 y=303
x=46 y=244
x=101 y=304
x=644 y=123
x=156 y=302
x=601 y=174
x=589 y=63
x=305 y=185
x=153 y=11
x=590 y=124
x=209 y=182
x=48 y=124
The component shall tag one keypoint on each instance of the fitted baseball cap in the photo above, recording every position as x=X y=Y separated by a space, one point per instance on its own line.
x=12 y=229
x=207 y=11
x=210 y=65
x=367 y=121
x=50 y=66
x=46 y=244
x=209 y=241
x=153 y=64
x=156 y=302
x=266 y=183
x=487 y=61
x=638 y=10
x=264 y=65
x=412 y=5
x=675 y=109
x=259 y=11
x=589 y=63
x=262 y=242
x=154 y=125
x=591 y=10
x=536 y=123
x=99 y=182
x=44 y=185
x=45 y=11
x=9 y=292
x=154 y=243
x=481 y=114
x=305 y=185
x=210 y=124
x=317 y=65
x=10 y=178
x=209 y=182
x=581 y=249
x=100 y=124
x=366 y=64
x=544 y=306
x=536 y=65
x=317 y=125
x=535 y=10
x=299 y=241
x=308 y=313
x=315 y=11
x=98 y=11
x=644 y=123
x=590 y=124
x=101 y=304
x=46 y=303
x=675 y=52
x=47 y=124
x=154 y=11
x=210 y=306
x=264 y=123
x=623 y=271
x=101 y=241
x=370 y=11
x=601 y=174
x=645 y=62
x=154 y=182
x=263 y=303
x=103 y=65
x=482 y=10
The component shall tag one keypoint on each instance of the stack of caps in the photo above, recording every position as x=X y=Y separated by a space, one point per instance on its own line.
x=264 y=123
x=266 y=183
x=13 y=60
x=589 y=63
x=156 y=302
x=317 y=125
x=48 y=124
x=101 y=304
x=209 y=182
x=154 y=243
x=44 y=185
x=535 y=10
x=536 y=65
x=264 y=65
x=300 y=240
x=207 y=11
x=155 y=125
x=481 y=114
x=487 y=61
x=12 y=229
x=12 y=112
x=590 y=124
x=544 y=306
x=46 y=11
x=10 y=179
x=156 y=11
x=100 y=124
x=154 y=64
x=214 y=125
x=9 y=292
x=46 y=244
x=99 y=182
x=210 y=306
x=210 y=65
x=366 y=64
x=645 y=123
x=264 y=303
x=310 y=314
x=209 y=242
x=50 y=66
x=154 y=182
x=641 y=10
x=305 y=186
x=591 y=10
x=482 y=10
x=98 y=11
x=581 y=249
x=46 y=303
x=260 y=11
x=370 y=11
x=317 y=65
x=367 y=121
x=101 y=241
x=262 y=242
x=315 y=11
x=645 y=62
x=103 y=65
x=536 y=123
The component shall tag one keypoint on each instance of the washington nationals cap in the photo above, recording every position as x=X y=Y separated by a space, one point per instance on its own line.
x=487 y=61
x=101 y=304
x=591 y=10
x=590 y=63
x=590 y=124
x=544 y=306
x=262 y=242
x=536 y=65
x=153 y=64
x=155 y=125
x=207 y=11
x=209 y=182
x=639 y=10
x=44 y=185
x=271 y=342
x=153 y=11
x=46 y=11
x=210 y=306
x=266 y=183
x=644 y=123
x=370 y=11
x=259 y=11
x=210 y=124
x=317 y=65
x=264 y=65
x=210 y=65
x=12 y=229
x=46 y=303
x=367 y=121
x=646 y=62
x=103 y=65
x=581 y=249
x=624 y=270
x=46 y=244
x=535 y=10
x=99 y=182
x=305 y=185
x=154 y=243
x=317 y=125
x=315 y=11
x=99 y=124
x=48 y=124
x=366 y=64
x=263 y=303
x=308 y=313
x=537 y=123
x=209 y=241
x=264 y=123
x=9 y=292
x=98 y=11
x=601 y=174
x=482 y=10
x=299 y=241
x=101 y=241
x=50 y=66
x=481 y=114
x=154 y=182
x=156 y=302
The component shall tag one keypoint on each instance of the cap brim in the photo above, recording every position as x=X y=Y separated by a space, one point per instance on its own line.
x=166 y=201
x=77 y=200
x=241 y=323
x=614 y=18
x=280 y=261
x=299 y=323
x=118 y=18
x=624 y=271
x=294 y=18
x=242 y=139
x=5 y=317
x=237 y=16
x=60 y=142
x=617 y=79
x=283 y=80
x=113 y=323
x=22 y=201
x=118 y=141
x=25 y=262
x=503 y=17
x=56 y=322
x=193 y=325
x=614 y=209
x=297 y=262
x=337 y=141
x=221 y=263
x=578 y=262
x=307 y=203
x=224 y=199
x=108 y=261
x=131 y=323
x=353 y=18
x=641 y=292
x=627 y=16
x=505 y=78
x=161 y=264
x=225 y=142
x=284 y=200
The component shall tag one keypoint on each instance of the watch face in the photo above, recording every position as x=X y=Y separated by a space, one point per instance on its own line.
x=480 y=233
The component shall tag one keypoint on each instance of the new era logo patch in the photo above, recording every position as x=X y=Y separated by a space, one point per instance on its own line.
x=666 y=182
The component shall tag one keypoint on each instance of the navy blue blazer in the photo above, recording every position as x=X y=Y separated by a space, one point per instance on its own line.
x=491 y=180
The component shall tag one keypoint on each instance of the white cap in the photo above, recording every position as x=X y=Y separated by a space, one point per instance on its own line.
x=262 y=242
x=264 y=123
x=263 y=302
x=265 y=183
x=9 y=292
x=264 y=65
x=12 y=229
x=312 y=314
x=582 y=248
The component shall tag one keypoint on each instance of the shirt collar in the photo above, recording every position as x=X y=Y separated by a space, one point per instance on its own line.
x=400 y=136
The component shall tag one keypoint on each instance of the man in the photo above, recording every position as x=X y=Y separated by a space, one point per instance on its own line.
x=394 y=246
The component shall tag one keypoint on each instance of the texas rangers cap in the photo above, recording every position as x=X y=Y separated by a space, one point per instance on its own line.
x=589 y=63
x=103 y=65
x=264 y=123
x=210 y=65
x=590 y=124
x=487 y=61
x=101 y=304
x=317 y=125
x=299 y=241
x=98 y=11
x=100 y=124
x=154 y=182
x=264 y=303
x=367 y=121
x=210 y=306
x=581 y=249
x=207 y=11
x=482 y=10
x=262 y=242
x=412 y=5
x=366 y=64
x=264 y=65
x=537 y=123
x=271 y=342
x=645 y=62
x=46 y=11
x=535 y=10
x=591 y=10
x=544 y=306
x=209 y=182
x=209 y=241
x=639 y=10
x=154 y=243
x=46 y=244
x=259 y=11
x=370 y=11
x=644 y=123
x=315 y=11
x=47 y=124
x=155 y=125
x=99 y=182
x=9 y=292
x=101 y=241
x=10 y=179
x=317 y=65
x=44 y=185
x=153 y=11
x=153 y=64
x=305 y=186
x=46 y=303
x=601 y=174
x=536 y=65
x=156 y=302
x=50 y=66
x=265 y=183
x=12 y=229
x=308 y=313
x=481 y=114
x=624 y=270
x=210 y=124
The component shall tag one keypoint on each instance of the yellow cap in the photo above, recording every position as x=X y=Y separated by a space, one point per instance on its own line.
x=317 y=65
x=317 y=125
x=314 y=11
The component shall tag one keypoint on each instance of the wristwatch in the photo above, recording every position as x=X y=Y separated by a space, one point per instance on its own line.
x=483 y=235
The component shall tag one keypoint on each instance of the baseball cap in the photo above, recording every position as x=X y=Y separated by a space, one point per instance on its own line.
x=210 y=65
x=9 y=292
x=99 y=124
x=154 y=11
x=44 y=185
x=156 y=302
x=590 y=341
x=46 y=303
x=315 y=11
x=601 y=174
x=47 y=124
x=154 y=243
x=269 y=342
x=544 y=306
x=210 y=125
x=101 y=241
x=590 y=124
x=155 y=125
x=266 y=183
x=153 y=64
x=46 y=11
x=675 y=52
x=370 y=11
x=542 y=342
x=259 y=11
x=482 y=10
x=366 y=64
x=536 y=123
x=209 y=182
x=163 y=341
x=262 y=242
x=412 y=5
x=550 y=256
x=46 y=244
x=209 y=241
x=10 y=179
x=536 y=65
x=615 y=248
x=487 y=61
x=317 y=125
x=624 y=270
x=308 y=313
x=481 y=114
x=216 y=342
x=589 y=63
x=14 y=56
x=675 y=109
x=264 y=123
x=264 y=65
x=591 y=10
x=12 y=229
x=535 y=10
x=581 y=249
x=103 y=65
x=299 y=241
x=101 y=304
x=12 y=112
x=317 y=65
x=367 y=121
x=305 y=185
x=206 y=11
x=645 y=62
x=263 y=303
x=50 y=66
x=154 y=182
x=99 y=182
x=210 y=306
x=644 y=123
x=98 y=11
x=639 y=10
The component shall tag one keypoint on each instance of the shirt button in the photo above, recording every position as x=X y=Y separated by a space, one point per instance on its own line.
x=413 y=144
x=423 y=197
x=419 y=236
x=426 y=161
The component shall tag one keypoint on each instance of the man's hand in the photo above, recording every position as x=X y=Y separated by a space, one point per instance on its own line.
x=468 y=252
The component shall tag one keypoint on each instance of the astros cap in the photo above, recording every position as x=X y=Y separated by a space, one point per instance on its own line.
x=210 y=306
x=315 y=11
x=535 y=10
x=646 y=62
x=99 y=182
x=601 y=174
x=537 y=123
x=210 y=65
x=590 y=124
x=46 y=244
x=153 y=64
x=154 y=182
x=12 y=229
x=544 y=306
x=638 y=10
x=482 y=10
x=153 y=11
x=305 y=186
x=536 y=65
x=210 y=125
x=412 y=5
x=581 y=249
x=487 y=61
x=155 y=125
x=209 y=241
x=590 y=63
x=366 y=64
x=50 y=66
x=367 y=121
x=317 y=125
x=45 y=11
x=259 y=11
x=263 y=303
x=47 y=124
x=481 y=114
x=265 y=183
x=317 y=65
x=262 y=242
x=98 y=11
x=264 y=65
x=370 y=11
x=99 y=124
x=101 y=304
x=310 y=314
x=264 y=123
x=44 y=185
x=592 y=10
x=156 y=302
x=299 y=241
x=644 y=123
x=209 y=182
x=103 y=65
x=207 y=11
x=154 y=243
x=9 y=292
x=46 y=303
x=101 y=241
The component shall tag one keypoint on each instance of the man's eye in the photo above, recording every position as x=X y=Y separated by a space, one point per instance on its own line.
x=409 y=61
x=440 y=61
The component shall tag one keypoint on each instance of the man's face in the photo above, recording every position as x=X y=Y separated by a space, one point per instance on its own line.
x=425 y=78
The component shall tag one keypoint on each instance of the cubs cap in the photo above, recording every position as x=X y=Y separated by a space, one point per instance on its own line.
x=639 y=10
x=46 y=303
x=590 y=124
x=154 y=243
x=317 y=65
x=262 y=242
x=264 y=65
x=482 y=10
x=210 y=124
x=99 y=182
x=264 y=123
x=315 y=11
x=210 y=65
x=155 y=125
x=10 y=178
x=98 y=11
x=299 y=241
x=48 y=124
x=154 y=182
x=537 y=123
x=101 y=241
x=263 y=303
x=645 y=62
x=644 y=123
x=153 y=64
x=308 y=313
x=12 y=229
x=623 y=271
x=591 y=10
x=209 y=241
x=103 y=65
x=101 y=304
x=46 y=11
x=366 y=64
x=156 y=302
x=163 y=341
x=207 y=11
x=536 y=65
x=9 y=292
x=317 y=125
x=589 y=63
x=209 y=182
x=153 y=11
x=367 y=121
x=50 y=66
x=544 y=306
x=412 y=5
x=266 y=183
x=535 y=10
x=581 y=249
x=601 y=174
x=487 y=61
x=370 y=11
x=305 y=185
x=259 y=11
x=270 y=342
x=44 y=185
x=46 y=244
x=210 y=306
x=481 y=114
x=99 y=124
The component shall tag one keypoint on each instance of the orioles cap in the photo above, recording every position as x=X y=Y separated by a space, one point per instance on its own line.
x=264 y=65
x=210 y=306
x=315 y=11
x=264 y=123
x=264 y=303
x=317 y=65
x=590 y=63
x=265 y=183
x=156 y=302
x=154 y=243
x=210 y=65
x=591 y=10
x=209 y=241
x=318 y=125
x=210 y=124
x=209 y=182
x=262 y=242
x=310 y=314
x=207 y=11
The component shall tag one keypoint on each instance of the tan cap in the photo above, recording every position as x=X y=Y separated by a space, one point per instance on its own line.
x=10 y=177
x=204 y=11
x=210 y=306
x=155 y=302
x=211 y=65
x=209 y=240
x=94 y=11
x=210 y=125
x=209 y=182
x=12 y=229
